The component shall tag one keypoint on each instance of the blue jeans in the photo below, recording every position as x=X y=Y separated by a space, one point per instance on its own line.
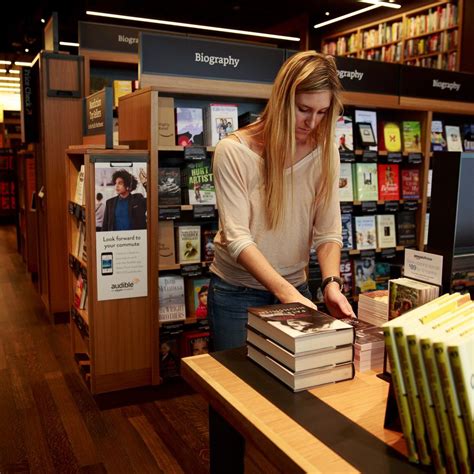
x=227 y=310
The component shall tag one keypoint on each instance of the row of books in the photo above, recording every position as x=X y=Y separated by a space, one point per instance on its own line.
x=384 y=33
x=7 y=203
x=7 y=159
x=182 y=298
x=300 y=346
x=431 y=354
x=373 y=307
x=435 y=43
x=184 y=244
x=376 y=181
x=436 y=19
x=378 y=231
x=79 y=248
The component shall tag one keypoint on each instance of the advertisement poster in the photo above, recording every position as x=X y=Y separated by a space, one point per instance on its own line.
x=121 y=230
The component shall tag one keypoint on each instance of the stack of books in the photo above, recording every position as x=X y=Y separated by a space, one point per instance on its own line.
x=369 y=346
x=431 y=353
x=300 y=346
x=373 y=307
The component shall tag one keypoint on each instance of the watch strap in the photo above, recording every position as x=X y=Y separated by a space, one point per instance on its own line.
x=330 y=279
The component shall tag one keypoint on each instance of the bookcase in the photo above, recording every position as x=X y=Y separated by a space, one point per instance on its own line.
x=428 y=36
x=111 y=337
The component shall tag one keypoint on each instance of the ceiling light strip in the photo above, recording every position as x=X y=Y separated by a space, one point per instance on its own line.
x=11 y=91
x=15 y=79
x=191 y=25
x=5 y=62
x=22 y=63
x=347 y=15
x=67 y=43
x=382 y=4
x=9 y=71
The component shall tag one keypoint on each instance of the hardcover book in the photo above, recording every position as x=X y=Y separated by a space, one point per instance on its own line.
x=199 y=181
x=382 y=275
x=189 y=244
x=406 y=228
x=299 y=328
x=196 y=297
x=390 y=138
x=169 y=356
x=347 y=242
x=468 y=136
x=171 y=293
x=453 y=138
x=364 y=275
x=365 y=232
x=221 y=120
x=79 y=196
x=305 y=379
x=189 y=126
x=367 y=116
x=365 y=182
x=410 y=183
x=438 y=139
x=208 y=236
x=388 y=177
x=344 y=133
x=346 y=192
x=345 y=270
x=411 y=136
x=121 y=88
x=386 y=236
x=169 y=189
x=195 y=343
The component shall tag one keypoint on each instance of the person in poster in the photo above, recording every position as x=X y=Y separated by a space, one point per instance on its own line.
x=127 y=210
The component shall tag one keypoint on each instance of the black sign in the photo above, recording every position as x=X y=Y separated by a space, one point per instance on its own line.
x=388 y=253
x=168 y=213
x=391 y=206
x=120 y=39
x=194 y=269
x=415 y=158
x=30 y=103
x=367 y=254
x=98 y=115
x=394 y=157
x=369 y=156
x=436 y=84
x=361 y=75
x=204 y=211
x=347 y=156
x=369 y=206
x=211 y=59
x=410 y=205
x=194 y=153
x=346 y=207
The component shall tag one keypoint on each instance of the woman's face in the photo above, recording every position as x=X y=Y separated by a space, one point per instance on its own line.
x=311 y=108
x=298 y=324
x=120 y=187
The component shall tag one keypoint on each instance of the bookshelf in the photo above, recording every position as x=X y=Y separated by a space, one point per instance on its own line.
x=429 y=36
x=111 y=339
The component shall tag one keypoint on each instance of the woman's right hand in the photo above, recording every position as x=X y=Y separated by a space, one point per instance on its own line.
x=294 y=296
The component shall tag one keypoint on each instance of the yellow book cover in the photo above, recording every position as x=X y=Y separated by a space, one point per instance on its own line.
x=392 y=137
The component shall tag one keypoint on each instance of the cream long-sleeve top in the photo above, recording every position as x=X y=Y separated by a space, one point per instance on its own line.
x=238 y=176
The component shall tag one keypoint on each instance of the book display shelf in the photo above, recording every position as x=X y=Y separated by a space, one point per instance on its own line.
x=111 y=335
x=429 y=36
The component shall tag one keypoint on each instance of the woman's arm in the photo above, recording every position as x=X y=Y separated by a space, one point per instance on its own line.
x=258 y=266
x=329 y=256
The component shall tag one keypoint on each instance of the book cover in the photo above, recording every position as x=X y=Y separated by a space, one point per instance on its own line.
x=347 y=242
x=196 y=297
x=299 y=328
x=346 y=192
x=344 y=133
x=189 y=244
x=199 y=181
x=367 y=116
x=386 y=236
x=365 y=232
x=195 y=343
x=364 y=275
x=429 y=183
x=221 y=120
x=208 y=236
x=345 y=270
x=388 y=177
x=79 y=197
x=468 y=136
x=121 y=88
x=411 y=183
x=365 y=181
x=390 y=138
x=382 y=275
x=189 y=126
x=167 y=255
x=166 y=121
x=169 y=356
x=305 y=360
x=171 y=293
x=169 y=189
x=406 y=228
x=453 y=138
x=438 y=139
x=303 y=380
x=411 y=136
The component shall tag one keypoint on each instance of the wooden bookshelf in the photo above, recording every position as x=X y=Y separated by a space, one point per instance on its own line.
x=427 y=36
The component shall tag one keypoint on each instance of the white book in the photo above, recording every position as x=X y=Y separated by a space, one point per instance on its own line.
x=221 y=120
x=79 y=197
x=344 y=133
x=368 y=116
x=453 y=138
x=386 y=236
x=172 y=305
x=427 y=228
x=365 y=232
x=346 y=192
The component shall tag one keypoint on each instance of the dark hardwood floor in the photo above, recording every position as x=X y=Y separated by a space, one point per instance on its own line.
x=50 y=423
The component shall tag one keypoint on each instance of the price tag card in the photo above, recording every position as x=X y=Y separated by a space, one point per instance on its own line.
x=391 y=206
x=369 y=206
x=415 y=158
x=394 y=157
x=194 y=153
x=369 y=156
x=167 y=213
x=410 y=205
x=346 y=207
x=204 y=211
x=388 y=253
x=424 y=266
x=347 y=156
x=194 y=269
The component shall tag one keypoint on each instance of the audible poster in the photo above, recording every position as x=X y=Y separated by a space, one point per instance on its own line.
x=121 y=230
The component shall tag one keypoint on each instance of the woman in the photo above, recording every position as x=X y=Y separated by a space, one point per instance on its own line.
x=277 y=194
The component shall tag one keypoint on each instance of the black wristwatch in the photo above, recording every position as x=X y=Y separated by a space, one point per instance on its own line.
x=330 y=279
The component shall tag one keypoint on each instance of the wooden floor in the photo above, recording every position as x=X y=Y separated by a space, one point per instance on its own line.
x=50 y=423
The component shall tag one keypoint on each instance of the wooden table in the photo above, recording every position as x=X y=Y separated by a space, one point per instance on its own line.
x=258 y=425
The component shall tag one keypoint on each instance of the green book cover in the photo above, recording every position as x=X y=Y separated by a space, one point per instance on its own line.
x=411 y=137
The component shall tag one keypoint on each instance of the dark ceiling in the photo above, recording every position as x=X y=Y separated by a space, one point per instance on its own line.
x=23 y=28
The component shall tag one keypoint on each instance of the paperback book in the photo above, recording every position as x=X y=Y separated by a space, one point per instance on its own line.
x=199 y=182
x=346 y=192
x=388 y=176
x=344 y=133
x=453 y=138
x=411 y=136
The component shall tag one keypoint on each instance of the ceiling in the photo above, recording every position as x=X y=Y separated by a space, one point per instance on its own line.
x=25 y=30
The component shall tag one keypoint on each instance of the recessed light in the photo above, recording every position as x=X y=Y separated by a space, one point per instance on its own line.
x=27 y=50
x=43 y=20
x=327 y=13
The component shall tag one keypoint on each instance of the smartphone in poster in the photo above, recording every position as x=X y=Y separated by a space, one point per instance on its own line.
x=121 y=230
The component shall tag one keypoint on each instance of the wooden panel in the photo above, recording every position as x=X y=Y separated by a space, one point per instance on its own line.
x=122 y=380
x=437 y=105
x=209 y=87
x=63 y=74
x=362 y=99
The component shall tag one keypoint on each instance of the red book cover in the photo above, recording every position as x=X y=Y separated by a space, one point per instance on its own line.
x=411 y=184
x=389 y=187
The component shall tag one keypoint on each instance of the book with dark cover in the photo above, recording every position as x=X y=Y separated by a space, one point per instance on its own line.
x=208 y=236
x=195 y=343
x=299 y=328
x=305 y=379
x=169 y=189
x=411 y=183
x=382 y=275
x=468 y=136
x=345 y=270
x=199 y=181
x=347 y=242
x=438 y=138
x=406 y=228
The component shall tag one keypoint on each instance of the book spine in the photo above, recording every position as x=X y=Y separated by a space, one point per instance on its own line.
x=452 y=406
x=462 y=393
x=440 y=408
x=412 y=394
x=437 y=453
x=400 y=396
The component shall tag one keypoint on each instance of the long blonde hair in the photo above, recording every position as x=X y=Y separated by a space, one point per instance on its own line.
x=304 y=72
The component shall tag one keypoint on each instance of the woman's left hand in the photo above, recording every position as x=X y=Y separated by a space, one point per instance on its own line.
x=337 y=303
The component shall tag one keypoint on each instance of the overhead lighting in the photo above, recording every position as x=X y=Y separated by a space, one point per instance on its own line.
x=67 y=43
x=11 y=71
x=382 y=4
x=6 y=84
x=43 y=20
x=374 y=4
x=22 y=63
x=16 y=79
x=27 y=50
x=12 y=91
x=327 y=13
x=192 y=25
x=5 y=62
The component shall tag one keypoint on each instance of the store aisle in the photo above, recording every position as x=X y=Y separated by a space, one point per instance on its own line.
x=50 y=423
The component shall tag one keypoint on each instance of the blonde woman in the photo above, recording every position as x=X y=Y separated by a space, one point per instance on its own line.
x=277 y=194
